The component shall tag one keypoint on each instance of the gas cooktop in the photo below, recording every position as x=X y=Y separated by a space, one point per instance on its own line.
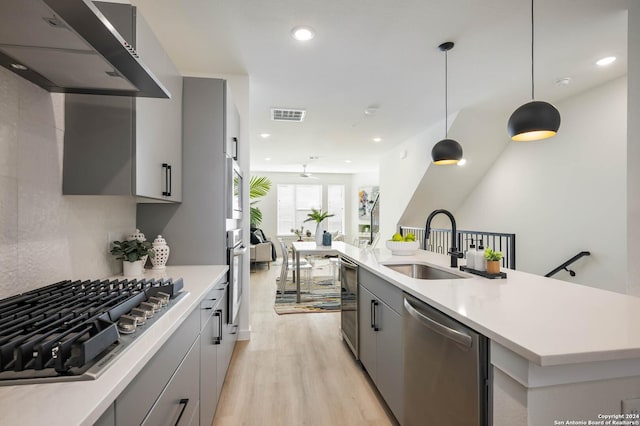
x=72 y=330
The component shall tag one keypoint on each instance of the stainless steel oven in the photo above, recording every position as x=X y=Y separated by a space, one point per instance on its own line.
x=349 y=303
x=236 y=253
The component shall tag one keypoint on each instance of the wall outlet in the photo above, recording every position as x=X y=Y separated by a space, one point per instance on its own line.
x=631 y=406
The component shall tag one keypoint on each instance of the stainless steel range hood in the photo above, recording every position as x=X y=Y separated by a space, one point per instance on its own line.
x=70 y=46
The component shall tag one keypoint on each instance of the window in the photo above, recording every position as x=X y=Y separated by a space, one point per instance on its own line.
x=296 y=201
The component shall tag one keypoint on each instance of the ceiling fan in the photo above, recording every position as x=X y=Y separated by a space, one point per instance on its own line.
x=306 y=174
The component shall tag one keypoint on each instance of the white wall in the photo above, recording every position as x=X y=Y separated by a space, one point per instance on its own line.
x=565 y=194
x=633 y=148
x=401 y=171
x=46 y=237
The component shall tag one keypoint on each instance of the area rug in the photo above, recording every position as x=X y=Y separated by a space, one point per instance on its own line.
x=323 y=296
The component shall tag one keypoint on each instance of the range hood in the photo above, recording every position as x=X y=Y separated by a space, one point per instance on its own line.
x=70 y=46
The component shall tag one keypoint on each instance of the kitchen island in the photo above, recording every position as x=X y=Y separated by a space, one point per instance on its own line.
x=559 y=351
x=83 y=402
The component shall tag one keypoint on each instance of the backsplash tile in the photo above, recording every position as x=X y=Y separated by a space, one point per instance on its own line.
x=47 y=237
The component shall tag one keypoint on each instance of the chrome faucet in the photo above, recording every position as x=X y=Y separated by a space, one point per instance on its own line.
x=453 y=251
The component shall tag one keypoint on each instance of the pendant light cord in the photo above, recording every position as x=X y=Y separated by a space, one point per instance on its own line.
x=446 y=97
x=532 y=79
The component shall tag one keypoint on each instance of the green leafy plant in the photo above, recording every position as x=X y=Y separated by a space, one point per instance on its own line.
x=491 y=255
x=317 y=215
x=132 y=250
x=259 y=186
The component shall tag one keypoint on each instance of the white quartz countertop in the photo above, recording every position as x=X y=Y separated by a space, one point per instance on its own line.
x=547 y=321
x=82 y=402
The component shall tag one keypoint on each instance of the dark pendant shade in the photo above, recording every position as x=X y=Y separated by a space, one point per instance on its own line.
x=534 y=121
x=447 y=151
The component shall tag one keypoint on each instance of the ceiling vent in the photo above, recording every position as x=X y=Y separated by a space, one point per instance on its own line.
x=282 y=114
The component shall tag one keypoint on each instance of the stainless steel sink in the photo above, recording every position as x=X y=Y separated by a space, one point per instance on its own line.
x=422 y=272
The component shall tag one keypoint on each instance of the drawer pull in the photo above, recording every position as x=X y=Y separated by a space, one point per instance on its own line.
x=183 y=402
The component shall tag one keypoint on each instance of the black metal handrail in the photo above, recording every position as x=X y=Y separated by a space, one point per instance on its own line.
x=565 y=265
x=439 y=241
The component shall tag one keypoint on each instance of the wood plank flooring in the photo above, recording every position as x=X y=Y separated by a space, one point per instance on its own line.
x=295 y=370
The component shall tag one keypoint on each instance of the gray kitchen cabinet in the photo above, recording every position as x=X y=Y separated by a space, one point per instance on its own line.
x=108 y=418
x=217 y=341
x=196 y=228
x=381 y=349
x=179 y=401
x=117 y=145
x=135 y=402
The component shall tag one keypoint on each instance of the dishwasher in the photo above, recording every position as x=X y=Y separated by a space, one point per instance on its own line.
x=445 y=369
x=349 y=303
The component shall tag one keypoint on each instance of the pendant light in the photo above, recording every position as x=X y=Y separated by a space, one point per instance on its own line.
x=534 y=120
x=447 y=151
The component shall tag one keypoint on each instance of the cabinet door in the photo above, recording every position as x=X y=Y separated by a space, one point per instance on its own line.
x=390 y=372
x=209 y=392
x=227 y=343
x=179 y=400
x=232 y=125
x=158 y=133
x=367 y=334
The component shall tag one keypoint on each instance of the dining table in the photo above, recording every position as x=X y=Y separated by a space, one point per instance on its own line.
x=310 y=248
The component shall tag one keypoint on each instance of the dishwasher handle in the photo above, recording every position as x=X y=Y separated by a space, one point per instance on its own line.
x=455 y=335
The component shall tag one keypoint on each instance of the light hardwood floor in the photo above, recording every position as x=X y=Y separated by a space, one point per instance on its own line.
x=295 y=370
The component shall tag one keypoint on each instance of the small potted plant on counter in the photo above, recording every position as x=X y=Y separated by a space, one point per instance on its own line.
x=493 y=260
x=131 y=253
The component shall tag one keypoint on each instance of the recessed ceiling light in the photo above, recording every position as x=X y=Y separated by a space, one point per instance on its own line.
x=347 y=161
x=267 y=159
x=377 y=139
x=564 y=81
x=303 y=33
x=606 y=61
x=265 y=135
x=462 y=162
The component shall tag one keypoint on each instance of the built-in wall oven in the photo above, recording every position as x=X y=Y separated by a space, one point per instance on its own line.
x=236 y=253
x=349 y=303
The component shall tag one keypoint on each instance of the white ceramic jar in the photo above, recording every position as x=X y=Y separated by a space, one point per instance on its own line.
x=161 y=250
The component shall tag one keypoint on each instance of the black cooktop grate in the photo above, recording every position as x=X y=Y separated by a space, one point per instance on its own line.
x=64 y=328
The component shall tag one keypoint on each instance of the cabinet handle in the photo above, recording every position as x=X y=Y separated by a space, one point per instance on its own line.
x=170 y=180
x=235 y=148
x=374 y=303
x=184 y=402
x=165 y=167
x=218 y=339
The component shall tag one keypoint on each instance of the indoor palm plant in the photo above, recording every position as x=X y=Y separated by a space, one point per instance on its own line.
x=318 y=216
x=259 y=186
x=131 y=253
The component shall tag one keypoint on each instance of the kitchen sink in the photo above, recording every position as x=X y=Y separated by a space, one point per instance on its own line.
x=422 y=272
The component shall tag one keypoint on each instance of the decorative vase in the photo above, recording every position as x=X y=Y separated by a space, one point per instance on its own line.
x=493 y=266
x=319 y=232
x=132 y=269
x=138 y=235
x=308 y=234
x=161 y=253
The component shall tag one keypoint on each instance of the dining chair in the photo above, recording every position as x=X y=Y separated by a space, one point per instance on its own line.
x=290 y=265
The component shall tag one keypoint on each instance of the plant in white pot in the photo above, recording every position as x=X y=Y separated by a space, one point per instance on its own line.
x=131 y=253
x=318 y=216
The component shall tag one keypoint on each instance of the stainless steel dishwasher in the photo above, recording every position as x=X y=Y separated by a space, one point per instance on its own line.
x=445 y=369
x=349 y=303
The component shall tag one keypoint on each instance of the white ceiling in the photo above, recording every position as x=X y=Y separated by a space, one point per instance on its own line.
x=384 y=53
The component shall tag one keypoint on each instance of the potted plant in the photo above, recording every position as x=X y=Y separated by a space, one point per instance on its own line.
x=493 y=260
x=318 y=216
x=131 y=253
x=259 y=186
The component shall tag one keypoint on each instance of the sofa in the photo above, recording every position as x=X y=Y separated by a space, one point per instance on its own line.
x=261 y=249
